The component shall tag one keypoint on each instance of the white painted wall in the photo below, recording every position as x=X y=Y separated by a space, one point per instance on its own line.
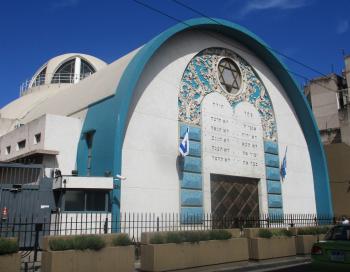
x=24 y=132
x=58 y=133
x=75 y=182
x=151 y=142
x=62 y=133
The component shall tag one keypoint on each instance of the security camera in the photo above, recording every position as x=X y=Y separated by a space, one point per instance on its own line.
x=120 y=177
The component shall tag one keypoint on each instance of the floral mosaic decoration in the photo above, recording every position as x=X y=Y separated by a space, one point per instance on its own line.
x=200 y=78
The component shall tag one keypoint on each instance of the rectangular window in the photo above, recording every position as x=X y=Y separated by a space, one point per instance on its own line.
x=89 y=139
x=21 y=144
x=74 y=201
x=96 y=201
x=37 y=138
x=86 y=201
x=8 y=150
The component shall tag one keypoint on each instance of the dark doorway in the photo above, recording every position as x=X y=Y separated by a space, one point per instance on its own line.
x=233 y=199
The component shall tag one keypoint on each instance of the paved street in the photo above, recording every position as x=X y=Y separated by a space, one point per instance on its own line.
x=307 y=268
x=300 y=268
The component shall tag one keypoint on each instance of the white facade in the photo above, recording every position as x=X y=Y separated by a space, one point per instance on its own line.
x=150 y=147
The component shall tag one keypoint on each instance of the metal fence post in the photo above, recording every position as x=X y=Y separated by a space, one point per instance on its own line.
x=157 y=223
x=38 y=228
x=105 y=226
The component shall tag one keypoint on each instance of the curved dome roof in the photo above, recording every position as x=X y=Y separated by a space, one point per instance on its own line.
x=66 y=68
x=50 y=79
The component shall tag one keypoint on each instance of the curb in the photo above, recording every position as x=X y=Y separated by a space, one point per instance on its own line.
x=258 y=266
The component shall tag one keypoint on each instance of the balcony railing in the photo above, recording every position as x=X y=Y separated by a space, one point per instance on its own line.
x=57 y=78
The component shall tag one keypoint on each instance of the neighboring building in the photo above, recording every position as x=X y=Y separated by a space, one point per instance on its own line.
x=243 y=110
x=329 y=99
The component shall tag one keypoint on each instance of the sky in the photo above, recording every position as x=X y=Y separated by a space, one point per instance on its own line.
x=315 y=33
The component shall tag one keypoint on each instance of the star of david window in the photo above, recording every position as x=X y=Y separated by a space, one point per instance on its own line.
x=229 y=76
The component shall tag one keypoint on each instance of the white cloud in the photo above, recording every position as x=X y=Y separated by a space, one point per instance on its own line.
x=342 y=26
x=255 y=5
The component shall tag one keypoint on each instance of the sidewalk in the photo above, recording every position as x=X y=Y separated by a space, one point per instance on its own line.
x=266 y=265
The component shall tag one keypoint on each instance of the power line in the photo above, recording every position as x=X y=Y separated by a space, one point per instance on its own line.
x=222 y=40
x=275 y=50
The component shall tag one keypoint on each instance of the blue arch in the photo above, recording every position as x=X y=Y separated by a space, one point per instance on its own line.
x=108 y=118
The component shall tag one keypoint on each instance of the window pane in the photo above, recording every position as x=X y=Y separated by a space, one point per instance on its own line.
x=65 y=73
x=86 y=69
x=40 y=79
x=229 y=75
x=96 y=201
x=74 y=201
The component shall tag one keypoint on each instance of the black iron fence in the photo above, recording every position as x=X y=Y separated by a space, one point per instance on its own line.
x=30 y=231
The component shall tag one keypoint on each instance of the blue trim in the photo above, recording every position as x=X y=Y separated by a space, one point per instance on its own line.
x=116 y=109
x=194 y=132
x=191 y=194
x=193 y=198
x=275 y=213
x=192 y=164
x=275 y=201
x=274 y=187
x=272 y=173
x=271 y=160
x=195 y=148
x=191 y=181
x=191 y=215
x=271 y=147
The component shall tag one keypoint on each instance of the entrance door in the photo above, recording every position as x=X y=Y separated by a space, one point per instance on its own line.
x=233 y=198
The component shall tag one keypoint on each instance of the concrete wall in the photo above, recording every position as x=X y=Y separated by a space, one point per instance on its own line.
x=27 y=133
x=150 y=150
x=325 y=106
x=62 y=133
x=57 y=133
x=339 y=173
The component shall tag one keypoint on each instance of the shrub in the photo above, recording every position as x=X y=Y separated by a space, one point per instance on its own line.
x=95 y=242
x=8 y=246
x=190 y=236
x=313 y=230
x=220 y=235
x=61 y=244
x=307 y=231
x=157 y=238
x=122 y=240
x=173 y=237
x=92 y=242
x=194 y=236
x=204 y=235
x=285 y=232
x=268 y=233
x=265 y=233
